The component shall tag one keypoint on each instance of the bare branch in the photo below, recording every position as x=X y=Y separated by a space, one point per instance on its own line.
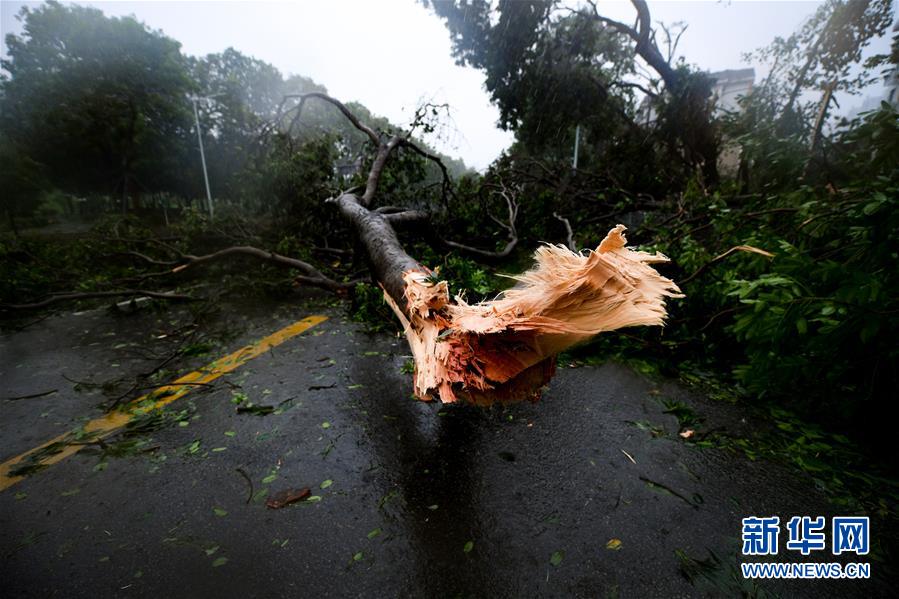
x=311 y=276
x=146 y=258
x=389 y=209
x=374 y=175
x=719 y=257
x=634 y=85
x=60 y=297
x=372 y=135
x=512 y=205
x=619 y=26
x=296 y=117
x=677 y=42
x=641 y=33
x=447 y=182
x=333 y=251
x=569 y=239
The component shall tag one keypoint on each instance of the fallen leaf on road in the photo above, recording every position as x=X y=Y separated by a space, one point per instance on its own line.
x=286 y=497
x=614 y=544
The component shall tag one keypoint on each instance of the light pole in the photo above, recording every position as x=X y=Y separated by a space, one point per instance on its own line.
x=195 y=99
x=577 y=143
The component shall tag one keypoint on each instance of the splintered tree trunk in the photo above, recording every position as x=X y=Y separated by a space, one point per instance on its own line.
x=504 y=350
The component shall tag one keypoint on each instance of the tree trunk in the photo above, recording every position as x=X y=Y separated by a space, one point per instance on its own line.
x=387 y=258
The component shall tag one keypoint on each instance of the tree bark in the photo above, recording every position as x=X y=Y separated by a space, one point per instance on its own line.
x=387 y=258
x=645 y=47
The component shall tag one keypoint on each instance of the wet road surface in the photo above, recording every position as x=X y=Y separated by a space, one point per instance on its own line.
x=589 y=493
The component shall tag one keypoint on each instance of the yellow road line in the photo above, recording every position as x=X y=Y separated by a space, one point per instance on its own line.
x=108 y=424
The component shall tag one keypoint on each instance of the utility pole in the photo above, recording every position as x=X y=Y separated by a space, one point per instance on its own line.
x=195 y=100
x=577 y=142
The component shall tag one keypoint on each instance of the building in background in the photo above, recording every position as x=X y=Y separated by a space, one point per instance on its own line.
x=730 y=86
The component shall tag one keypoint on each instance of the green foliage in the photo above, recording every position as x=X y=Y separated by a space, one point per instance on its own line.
x=297 y=178
x=826 y=48
x=552 y=70
x=814 y=327
x=467 y=276
x=21 y=179
x=368 y=307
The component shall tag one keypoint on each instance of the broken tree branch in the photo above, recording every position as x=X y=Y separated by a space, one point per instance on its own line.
x=387 y=257
x=447 y=184
x=60 y=297
x=311 y=276
x=512 y=206
x=352 y=118
x=642 y=35
x=569 y=234
x=722 y=256
x=374 y=175
x=407 y=217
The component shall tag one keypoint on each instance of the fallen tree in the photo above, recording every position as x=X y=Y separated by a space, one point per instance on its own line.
x=501 y=350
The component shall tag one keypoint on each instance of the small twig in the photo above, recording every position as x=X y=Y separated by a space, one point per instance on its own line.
x=52 y=299
x=713 y=318
x=146 y=258
x=512 y=205
x=88 y=384
x=246 y=477
x=736 y=248
x=32 y=396
x=669 y=490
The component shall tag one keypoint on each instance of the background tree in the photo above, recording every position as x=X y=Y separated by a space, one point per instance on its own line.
x=781 y=123
x=99 y=101
x=22 y=181
x=549 y=68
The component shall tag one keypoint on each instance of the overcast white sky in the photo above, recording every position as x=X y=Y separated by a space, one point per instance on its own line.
x=393 y=54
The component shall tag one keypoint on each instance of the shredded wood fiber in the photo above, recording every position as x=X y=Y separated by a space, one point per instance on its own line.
x=504 y=350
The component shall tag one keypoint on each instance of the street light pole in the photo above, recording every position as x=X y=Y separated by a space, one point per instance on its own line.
x=195 y=99
x=577 y=143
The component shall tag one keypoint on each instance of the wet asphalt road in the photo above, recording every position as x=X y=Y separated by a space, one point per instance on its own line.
x=423 y=500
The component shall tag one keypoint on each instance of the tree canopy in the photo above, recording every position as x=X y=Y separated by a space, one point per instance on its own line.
x=98 y=100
